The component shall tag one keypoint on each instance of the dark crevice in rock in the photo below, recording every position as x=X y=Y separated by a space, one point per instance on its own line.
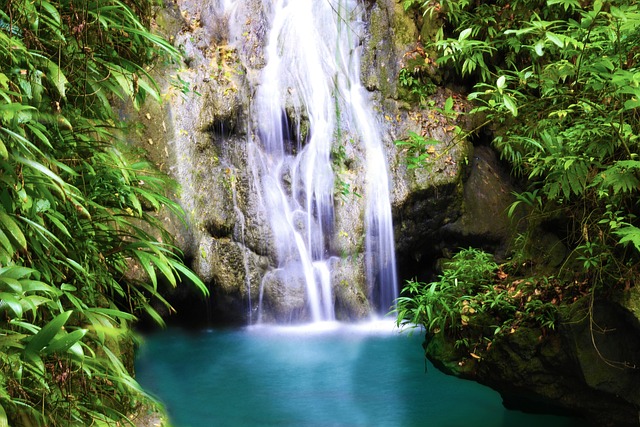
x=219 y=231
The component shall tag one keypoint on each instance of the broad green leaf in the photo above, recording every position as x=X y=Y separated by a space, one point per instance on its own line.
x=510 y=103
x=146 y=263
x=464 y=34
x=163 y=264
x=76 y=350
x=4 y=154
x=42 y=169
x=11 y=285
x=32 y=302
x=39 y=131
x=448 y=104
x=501 y=83
x=5 y=243
x=4 y=422
x=35 y=361
x=4 y=81
x=12 y=230
x=68 y=288
x=192 y=277
x=57 y=78
x=10 y=300
x=555 y=39
x=64 y=343
x=51 y=10
x=76 y=266
x=46 y=334
x=111 y=312
x=632 y=104
x=12 y=340
x=539 y=48
x=597 y=6
x=152 y=91
x=16 y=272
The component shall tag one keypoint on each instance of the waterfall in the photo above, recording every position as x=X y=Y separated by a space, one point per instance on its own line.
x=308 y=94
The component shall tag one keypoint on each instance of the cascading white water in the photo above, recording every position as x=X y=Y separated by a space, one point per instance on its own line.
x=309 y=92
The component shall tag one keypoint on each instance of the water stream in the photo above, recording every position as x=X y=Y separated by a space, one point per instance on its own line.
x=309 y=95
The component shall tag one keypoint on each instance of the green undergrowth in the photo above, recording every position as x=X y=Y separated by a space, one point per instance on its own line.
x=475 y=300
x=82 y=253
x=556 y=85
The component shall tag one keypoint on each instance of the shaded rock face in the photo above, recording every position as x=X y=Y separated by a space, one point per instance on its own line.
x=589 y=367
x=440 y=215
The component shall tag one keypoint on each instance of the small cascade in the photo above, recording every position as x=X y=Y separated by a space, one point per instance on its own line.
x=307 y=95
x=298 y=178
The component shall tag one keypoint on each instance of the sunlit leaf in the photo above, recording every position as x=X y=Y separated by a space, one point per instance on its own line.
x=510 y=103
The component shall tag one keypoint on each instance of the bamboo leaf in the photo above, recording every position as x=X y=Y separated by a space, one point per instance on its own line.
x=10 y=300
x=64 y=343
x=46 y=334
x=5 y=243
x=38 y=286
x=11 y=284
x=145 y=261
x=192 y=277
x=59 y=225
x=13 y=230
x=42 y=169
x=57 y=77
x=16 y=272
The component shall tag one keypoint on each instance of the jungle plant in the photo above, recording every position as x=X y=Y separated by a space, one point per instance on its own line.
x=418 y=86
x=474 y=300
x=77 y=211
x=420 y=148
x=558 y=82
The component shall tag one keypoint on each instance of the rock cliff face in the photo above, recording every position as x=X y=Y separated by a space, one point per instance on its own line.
x=229 y=239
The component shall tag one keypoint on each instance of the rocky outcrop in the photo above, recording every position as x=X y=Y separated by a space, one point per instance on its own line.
x=589 y=367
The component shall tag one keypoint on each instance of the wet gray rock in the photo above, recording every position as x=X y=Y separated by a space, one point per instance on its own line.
x=203 y=143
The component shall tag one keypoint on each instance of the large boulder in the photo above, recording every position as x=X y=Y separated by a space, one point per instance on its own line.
x=588 y=367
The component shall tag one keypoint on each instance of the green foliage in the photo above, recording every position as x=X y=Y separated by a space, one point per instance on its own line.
x=419 y=149
x=474 y=300
x=418 y=86
x=558 y=81
x=76 y=211
x=341 y=166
